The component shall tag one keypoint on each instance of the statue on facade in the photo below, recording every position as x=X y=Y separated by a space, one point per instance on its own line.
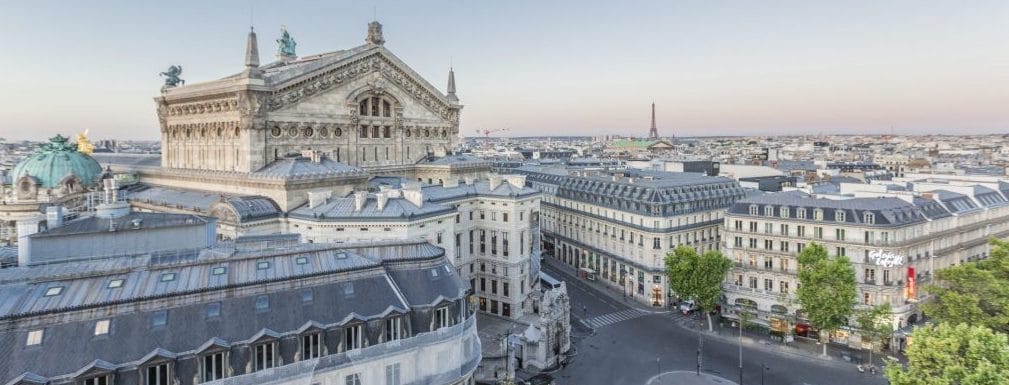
x=172 y=78
x=286 y=44
x=84 y=144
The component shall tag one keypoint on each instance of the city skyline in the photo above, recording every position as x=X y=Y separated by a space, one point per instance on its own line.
x=712 y=69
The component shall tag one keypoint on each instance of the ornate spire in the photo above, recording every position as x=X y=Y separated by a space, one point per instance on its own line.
x=451 y=86
x=654 y=132
x=375 y=34
x=252 y=50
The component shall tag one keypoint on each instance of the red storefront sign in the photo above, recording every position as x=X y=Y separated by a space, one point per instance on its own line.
x=910 y=289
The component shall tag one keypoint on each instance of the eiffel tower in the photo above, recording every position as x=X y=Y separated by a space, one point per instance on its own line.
x=654 y=132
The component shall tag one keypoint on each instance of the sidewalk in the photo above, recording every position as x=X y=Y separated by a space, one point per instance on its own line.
x=613 y=293
x=799 y=349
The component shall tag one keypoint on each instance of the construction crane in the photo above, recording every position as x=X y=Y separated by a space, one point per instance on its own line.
x=487 y=131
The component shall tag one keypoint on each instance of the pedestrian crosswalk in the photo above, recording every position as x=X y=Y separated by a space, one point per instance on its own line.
x=612 y=318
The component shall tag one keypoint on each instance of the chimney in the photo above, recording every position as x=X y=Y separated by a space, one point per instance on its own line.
x=381 y=198
x=318 y=198
x=26 y=227
x=54 y=217
x=360 y=197
x=518 y=181
x=414 y=196
x=468 y=180
x=927 y=195
x=394 y=193
x=493 y=181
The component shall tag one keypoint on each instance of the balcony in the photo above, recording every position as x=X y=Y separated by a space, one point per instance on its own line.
x=870 y=281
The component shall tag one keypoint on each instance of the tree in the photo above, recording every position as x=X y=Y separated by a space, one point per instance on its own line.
x=974 y=293
x=697 y=277
x=875 y=324
x=954 y=355
x=827 y=289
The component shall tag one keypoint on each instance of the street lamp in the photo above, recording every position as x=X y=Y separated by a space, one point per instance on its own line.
x=739 y=316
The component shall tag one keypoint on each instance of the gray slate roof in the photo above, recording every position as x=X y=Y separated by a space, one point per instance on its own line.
x=125 y=223
x=888 y=211
x=301 y=168
x=395 y=209
x=386 y=277
x=438 y=193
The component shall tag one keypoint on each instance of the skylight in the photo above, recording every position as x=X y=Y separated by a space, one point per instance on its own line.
x=301 y=260
x=116 y=283
x=159 y=318
x=262 y=265
x=54 y=291
x=218 y=270
x=167 y=277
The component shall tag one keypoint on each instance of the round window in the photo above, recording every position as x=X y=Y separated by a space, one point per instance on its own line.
x=275 y=131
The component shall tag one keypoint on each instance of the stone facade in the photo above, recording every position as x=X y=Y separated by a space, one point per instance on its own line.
x=362 y=106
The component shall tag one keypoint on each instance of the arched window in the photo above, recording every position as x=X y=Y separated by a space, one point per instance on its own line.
x=375 y=106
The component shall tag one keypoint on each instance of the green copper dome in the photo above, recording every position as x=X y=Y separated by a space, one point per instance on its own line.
x=52 y=163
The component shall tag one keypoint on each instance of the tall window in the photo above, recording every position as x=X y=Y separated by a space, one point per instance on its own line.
x=392 y=374
x=99 y=380
x=213 y=366
x=504 y=244
x=157 y=375
x=393 y=329
x=504 y=289
x=441 y=318
x=483 y=243
x=264 y=356
x=311 y=346
x=352 y=379
x=493 y=242
x=353 y=337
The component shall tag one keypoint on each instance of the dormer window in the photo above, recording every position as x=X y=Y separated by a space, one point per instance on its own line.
x=783 y=212
x=393 y=329
x=800 y=213
x=839 y=216
x=768 y=211
x=869 y=218
x=753 y=209
x=818 y=214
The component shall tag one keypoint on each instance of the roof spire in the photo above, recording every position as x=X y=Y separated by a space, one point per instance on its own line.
x=252 y=50
x=451 y=85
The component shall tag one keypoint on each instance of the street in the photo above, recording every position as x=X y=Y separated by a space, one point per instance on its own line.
x=628 y=346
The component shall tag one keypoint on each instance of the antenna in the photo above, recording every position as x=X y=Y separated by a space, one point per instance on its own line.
x=252 y=14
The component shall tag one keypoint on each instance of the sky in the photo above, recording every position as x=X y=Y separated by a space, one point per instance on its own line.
x=584 y=67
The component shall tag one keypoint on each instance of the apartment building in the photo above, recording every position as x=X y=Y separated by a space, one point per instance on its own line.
x=619 y=225
x=896 y=238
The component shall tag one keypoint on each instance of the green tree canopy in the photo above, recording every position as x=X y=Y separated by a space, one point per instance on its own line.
x=974 y=293
x=827 y=289
x=954 y=355
x=697 y=276
x=875 y=324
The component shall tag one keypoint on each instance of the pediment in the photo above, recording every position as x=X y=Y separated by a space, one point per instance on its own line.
x=28 y=378
x=96 y=367
x=350 y=71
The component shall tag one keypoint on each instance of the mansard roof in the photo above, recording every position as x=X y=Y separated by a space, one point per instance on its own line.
x=395 y=209
x=369 y=281
x=439 y=193
x=887 y=211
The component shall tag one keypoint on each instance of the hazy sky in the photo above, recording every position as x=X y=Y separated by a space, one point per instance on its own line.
x=538 y=67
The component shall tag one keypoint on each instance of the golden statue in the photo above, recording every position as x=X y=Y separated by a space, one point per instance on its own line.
x=83 y=144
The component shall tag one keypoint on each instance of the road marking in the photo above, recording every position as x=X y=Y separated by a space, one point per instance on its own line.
x=612 y=318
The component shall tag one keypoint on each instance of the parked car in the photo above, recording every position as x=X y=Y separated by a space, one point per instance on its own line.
x=688 y=306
